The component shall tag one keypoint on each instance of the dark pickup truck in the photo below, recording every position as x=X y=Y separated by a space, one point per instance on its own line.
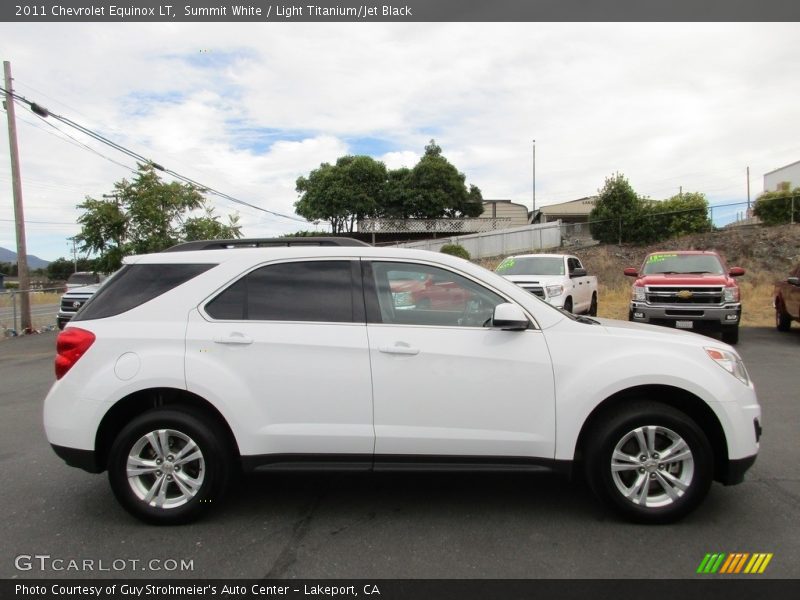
x=787 y=300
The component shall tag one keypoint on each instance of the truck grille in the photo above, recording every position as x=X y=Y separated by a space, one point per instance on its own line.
x=74 y=303
x=684 y=295
x=536 y=290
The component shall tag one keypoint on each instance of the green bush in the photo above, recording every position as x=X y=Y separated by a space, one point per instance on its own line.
x=775 y=208
x=455 y=250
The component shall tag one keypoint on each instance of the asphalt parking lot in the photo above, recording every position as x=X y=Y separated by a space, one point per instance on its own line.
x=390 y=526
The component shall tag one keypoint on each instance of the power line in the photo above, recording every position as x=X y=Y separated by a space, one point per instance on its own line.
x=43 y=112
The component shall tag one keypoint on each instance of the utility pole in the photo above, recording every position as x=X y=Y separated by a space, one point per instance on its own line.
x=19 y=216
x=748 y=191
x=534 y=179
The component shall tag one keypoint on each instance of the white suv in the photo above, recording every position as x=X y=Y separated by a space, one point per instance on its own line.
x=189 y=365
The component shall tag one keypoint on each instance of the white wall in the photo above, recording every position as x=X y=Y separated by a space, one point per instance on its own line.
x=790 y=173
x=499 y=243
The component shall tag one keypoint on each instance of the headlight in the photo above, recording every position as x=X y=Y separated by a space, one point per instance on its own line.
x=638 y=293
x=731 y=294
x=729 y=361
x=554 y=290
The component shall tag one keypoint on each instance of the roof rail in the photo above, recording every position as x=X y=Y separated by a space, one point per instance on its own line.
x=265 y=243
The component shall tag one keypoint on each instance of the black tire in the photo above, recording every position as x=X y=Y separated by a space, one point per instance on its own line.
x=670 y=427
x=209 y=474
x=593 y=306
x=783 y=322
x=730 y=334
x=568 y=305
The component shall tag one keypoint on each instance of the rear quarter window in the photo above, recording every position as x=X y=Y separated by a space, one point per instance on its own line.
x=133 y=285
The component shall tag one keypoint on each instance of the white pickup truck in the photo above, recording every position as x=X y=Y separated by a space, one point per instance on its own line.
x=559 y=279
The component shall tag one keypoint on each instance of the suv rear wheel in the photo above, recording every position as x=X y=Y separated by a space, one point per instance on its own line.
x=651 y=462
x=168 y=466
x=783 y=322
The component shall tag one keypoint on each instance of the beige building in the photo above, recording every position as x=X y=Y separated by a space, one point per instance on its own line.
x=506 y=209
x=574 y=211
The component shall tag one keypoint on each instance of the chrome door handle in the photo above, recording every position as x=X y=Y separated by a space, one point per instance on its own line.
x=235 y=339
x=398 y=349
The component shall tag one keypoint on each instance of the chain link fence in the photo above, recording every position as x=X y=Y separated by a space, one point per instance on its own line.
x=44 y=308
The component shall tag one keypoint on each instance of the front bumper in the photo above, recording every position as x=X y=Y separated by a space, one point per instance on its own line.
x=702 y=316
x=734 y=474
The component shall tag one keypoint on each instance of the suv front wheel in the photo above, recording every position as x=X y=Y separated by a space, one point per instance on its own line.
x=168 y=466
x=650 y=462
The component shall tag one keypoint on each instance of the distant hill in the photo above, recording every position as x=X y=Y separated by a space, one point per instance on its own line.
x=34 y=262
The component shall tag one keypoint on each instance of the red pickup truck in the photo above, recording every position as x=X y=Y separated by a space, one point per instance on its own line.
x=687 y=289
x=787 y=300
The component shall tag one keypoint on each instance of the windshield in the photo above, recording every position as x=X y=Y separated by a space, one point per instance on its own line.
x=83 y=278
x=531 y=265
x=682 y=263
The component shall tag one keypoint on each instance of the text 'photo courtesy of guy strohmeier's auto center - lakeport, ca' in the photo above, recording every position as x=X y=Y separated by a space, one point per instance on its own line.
x=429 y=300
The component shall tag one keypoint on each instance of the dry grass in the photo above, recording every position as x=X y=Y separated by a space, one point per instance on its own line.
x=36 y=298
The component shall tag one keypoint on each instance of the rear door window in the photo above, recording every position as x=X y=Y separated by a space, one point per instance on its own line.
x=326 y=291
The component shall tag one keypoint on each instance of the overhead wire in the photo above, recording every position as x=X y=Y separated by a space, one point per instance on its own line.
x=43 y=112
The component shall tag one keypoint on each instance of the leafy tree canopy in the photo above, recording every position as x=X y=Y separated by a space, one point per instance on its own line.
x=342 y=193
x=620 y=215
x=617 y=203
x=61 y=268
x=358 y=187
x=147 y=215
x=438 y=190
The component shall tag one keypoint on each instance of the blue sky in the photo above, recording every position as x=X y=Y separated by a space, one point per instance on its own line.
x=247 y=108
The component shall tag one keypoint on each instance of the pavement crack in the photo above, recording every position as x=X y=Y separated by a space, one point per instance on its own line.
x=288 y=555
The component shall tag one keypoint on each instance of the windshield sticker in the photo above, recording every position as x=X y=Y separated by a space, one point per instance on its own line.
x=656 y=258
x=505 y=265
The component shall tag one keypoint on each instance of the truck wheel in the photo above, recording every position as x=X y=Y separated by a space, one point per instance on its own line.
x=730 y=334
x=593 y=306
x=650 y=462
x=568 y=305
x=168 y=466
x=783 y=322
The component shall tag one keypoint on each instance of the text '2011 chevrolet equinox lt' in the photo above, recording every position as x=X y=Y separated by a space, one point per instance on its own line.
x=191 y=364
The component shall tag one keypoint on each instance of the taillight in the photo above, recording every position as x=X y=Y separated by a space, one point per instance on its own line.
x=72 y=343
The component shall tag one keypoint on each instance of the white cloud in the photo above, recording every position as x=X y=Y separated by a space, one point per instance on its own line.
x=247 y=108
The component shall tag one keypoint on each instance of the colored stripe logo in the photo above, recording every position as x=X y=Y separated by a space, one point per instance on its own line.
x=734 y=563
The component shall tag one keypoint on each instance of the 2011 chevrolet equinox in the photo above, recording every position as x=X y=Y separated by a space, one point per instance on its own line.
x=191 y=363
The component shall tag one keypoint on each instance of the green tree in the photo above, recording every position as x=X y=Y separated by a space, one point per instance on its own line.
x=397 y=201
x=775 y=208
x=619 y=214
x=437 y=189
x=342 y=193
x=146 y=215
x=681 y=215
x=61 y=268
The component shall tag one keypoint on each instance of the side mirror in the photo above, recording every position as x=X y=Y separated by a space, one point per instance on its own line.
x=578 y=273
x=793 y=281
x=631 y=272
x=509 y=317
x=736 y=272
